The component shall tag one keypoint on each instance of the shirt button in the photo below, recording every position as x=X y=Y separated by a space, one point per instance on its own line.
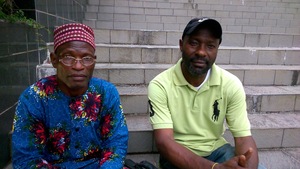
x=77 y=129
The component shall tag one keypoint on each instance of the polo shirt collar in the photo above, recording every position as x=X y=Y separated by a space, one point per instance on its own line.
x=214 y=79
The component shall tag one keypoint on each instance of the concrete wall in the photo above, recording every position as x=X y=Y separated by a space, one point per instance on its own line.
x=52 y=13
x=20 y=52
x=18 y=56
x=262 y=16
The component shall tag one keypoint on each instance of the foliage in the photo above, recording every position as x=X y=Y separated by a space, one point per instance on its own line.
x=7 y=13
x=7 y=6
x=19 y=17
x=10 y=13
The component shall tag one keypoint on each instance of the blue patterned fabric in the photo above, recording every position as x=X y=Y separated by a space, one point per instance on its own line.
x=53 y=130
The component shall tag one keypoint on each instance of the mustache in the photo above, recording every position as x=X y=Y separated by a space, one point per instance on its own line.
x=197 y=58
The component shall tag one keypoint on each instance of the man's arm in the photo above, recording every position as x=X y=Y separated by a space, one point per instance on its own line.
x=239 y=125
x=177 y=154
x=182 y=157
x=243 y=145
x=114 y=132
x=28 y=138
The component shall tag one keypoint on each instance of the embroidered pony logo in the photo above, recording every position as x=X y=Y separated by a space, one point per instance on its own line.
x=216 y=112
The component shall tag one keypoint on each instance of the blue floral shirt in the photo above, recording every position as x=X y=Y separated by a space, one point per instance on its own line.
x=53 y=130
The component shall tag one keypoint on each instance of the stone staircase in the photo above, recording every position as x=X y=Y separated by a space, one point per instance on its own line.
x=267 y=65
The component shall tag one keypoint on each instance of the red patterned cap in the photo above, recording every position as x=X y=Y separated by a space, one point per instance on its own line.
x=73 y=32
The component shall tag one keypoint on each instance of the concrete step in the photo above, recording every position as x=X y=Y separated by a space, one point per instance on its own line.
x=154 y=37
x=137 y=74
x=272 y=130
x=274 y=158
x=268 y=88
x=162 y=54
x=260 y=99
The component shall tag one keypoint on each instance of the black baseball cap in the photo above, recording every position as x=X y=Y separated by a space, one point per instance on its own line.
x=196 y=23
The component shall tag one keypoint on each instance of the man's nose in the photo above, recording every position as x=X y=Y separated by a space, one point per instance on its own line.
x=201 y=51
x=78 y=64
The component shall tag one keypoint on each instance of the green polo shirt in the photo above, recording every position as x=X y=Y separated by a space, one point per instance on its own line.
x=197 y=116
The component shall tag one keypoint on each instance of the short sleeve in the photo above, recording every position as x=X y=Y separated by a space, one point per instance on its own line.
x=160 y=116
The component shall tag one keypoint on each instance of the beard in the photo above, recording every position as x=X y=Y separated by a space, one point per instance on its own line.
x=193 y=70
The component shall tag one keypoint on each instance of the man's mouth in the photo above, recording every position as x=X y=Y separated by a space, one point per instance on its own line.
x=199 y=63
x=78 y=77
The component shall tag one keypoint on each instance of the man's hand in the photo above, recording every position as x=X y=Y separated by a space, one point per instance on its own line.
x=243 y=159
x=240 y=161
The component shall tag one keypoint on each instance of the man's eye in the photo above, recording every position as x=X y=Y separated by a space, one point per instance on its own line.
x=211 y=46
x=87 y=58
x=68 y=56
x=194 y=43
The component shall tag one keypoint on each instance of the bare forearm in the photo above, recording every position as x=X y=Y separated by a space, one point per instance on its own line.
x=243 y=145
x=182 y=157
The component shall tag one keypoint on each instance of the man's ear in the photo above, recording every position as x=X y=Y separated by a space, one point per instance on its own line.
x=54 y=59
x=180 y=44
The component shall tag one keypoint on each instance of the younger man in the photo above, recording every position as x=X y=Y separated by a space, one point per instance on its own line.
x=190 y=101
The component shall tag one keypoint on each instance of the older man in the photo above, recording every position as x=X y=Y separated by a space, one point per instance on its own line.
x=71 y=119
